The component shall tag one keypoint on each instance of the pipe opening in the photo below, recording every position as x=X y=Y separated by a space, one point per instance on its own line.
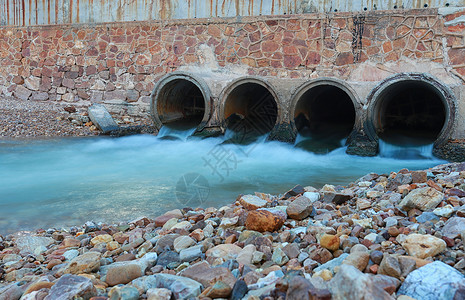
x=410 y=113
x=324 y=115
x=250 y=109
x=181 y=105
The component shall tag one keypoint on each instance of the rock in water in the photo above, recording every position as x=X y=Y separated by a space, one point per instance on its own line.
x=350 y=283
x=300 y=208
x=265 y=220
x=433 y=281
x=99 y=115
x=423 y=198
x=423 y=245
x=71 y=287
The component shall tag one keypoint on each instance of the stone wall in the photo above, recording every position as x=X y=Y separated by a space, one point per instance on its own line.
x=118 y=63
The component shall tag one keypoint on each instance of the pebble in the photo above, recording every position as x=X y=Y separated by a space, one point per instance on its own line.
x=290 y=247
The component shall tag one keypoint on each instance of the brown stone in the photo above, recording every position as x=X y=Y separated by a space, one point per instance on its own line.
x=69 y=243
x=265 y=220
x=330 y=242
x=345 y=58
x=38 y=286
x=270 y=46
x=123 y=274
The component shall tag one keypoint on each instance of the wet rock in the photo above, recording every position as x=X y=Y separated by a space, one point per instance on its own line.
x=251 y=202
x=262 y=220
x=433 y=281
x=158 y=294
x=422 y=198
x=85 y=263
x=70 y=287
x=423 y=245
x=350 y=283
x=300 y=208
x=454 y=227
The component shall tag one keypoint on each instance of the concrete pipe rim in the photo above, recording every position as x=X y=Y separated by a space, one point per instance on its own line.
x=198 y=81
x=302 y=89
x=225 y=93
x=447 y=97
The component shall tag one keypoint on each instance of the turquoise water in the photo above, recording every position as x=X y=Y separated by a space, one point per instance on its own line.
x=65 y=182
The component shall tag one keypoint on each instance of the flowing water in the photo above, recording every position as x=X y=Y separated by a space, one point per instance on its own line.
x=67 y=181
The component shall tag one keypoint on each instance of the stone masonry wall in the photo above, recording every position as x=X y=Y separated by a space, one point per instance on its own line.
x=119 y=63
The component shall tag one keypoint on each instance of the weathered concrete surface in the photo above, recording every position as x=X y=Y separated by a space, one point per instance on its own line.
x=23 y=13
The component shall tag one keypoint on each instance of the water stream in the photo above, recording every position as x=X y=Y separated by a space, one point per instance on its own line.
x=67 y=181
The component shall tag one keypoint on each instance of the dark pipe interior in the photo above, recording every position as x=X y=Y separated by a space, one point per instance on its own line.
x=180 y=104
x=325 y=112
x=410 y=113
x=250 y=109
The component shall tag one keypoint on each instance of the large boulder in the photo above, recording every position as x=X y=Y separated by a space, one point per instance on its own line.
x=434 y=281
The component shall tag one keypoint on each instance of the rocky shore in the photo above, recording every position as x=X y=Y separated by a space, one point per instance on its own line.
x=30 y=119
x=385 y=236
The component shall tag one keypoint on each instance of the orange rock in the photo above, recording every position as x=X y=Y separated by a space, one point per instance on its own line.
x=330 y=242
x=374 y=269
x=265 y=220
x=38 y=286
x=230 y=239
x=52 y=263
x=69 y=243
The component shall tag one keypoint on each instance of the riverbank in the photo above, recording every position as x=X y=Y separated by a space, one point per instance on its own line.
x=383 y=236
x=43 y=119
